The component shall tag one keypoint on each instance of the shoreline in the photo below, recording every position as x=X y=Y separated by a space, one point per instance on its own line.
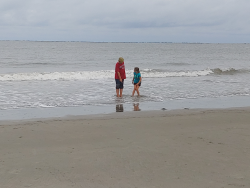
x=129 y=114
x=179 y=148
x=60 y=112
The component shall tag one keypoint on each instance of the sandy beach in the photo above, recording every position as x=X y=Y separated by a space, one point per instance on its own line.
x=174 y=149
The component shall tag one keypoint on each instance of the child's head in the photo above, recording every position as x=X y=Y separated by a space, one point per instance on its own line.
x=136 y=69
x=120 y=60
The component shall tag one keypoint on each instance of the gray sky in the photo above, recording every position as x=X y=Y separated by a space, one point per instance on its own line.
x=219 y=21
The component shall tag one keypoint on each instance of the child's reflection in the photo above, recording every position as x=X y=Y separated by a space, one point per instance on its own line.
x=136 y=107
x=119 y=108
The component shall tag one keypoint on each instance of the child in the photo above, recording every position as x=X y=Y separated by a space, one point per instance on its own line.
x=136 y=81
x=120 y=75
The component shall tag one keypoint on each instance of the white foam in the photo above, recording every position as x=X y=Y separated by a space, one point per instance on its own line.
x=93 y=75
x=84 y=75
x=45 y=106
x=177 y=74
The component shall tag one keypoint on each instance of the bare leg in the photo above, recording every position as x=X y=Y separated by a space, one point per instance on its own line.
x=134 y=90
x=121 y=92
x=117 y=92
x=137 y=90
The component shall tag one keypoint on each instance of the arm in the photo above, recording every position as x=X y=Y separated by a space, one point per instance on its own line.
x=117 y=72
x=119 y=76
x=139 y=81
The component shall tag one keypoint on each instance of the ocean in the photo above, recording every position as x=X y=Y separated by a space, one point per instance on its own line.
x=57 y=79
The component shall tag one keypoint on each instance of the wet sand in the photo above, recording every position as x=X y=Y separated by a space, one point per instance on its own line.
x=180 y=148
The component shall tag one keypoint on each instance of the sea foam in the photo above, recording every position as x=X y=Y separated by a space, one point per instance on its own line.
x=93 y=75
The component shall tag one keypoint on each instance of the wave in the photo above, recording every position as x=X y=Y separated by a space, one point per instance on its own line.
x=108 y=74
x=177 y=64
x=155 y=73
x=229 y=71
x=79 y=75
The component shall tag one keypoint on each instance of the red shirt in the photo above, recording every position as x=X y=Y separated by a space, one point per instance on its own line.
x=121 y=69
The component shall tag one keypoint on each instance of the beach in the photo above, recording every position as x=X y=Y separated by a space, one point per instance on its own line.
x=61 y=124
x=191 y=148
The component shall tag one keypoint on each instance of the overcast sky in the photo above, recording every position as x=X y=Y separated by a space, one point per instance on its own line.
x=212 y=21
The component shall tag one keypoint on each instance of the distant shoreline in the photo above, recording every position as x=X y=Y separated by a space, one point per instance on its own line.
x=121 y=42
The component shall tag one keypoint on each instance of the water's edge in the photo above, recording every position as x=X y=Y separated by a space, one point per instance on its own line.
x=204 y=103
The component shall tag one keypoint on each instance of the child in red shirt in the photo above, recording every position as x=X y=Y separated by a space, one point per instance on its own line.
x=120 y=75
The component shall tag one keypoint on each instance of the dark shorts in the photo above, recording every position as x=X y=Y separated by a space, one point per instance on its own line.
x=139 y=84
x=119 y=85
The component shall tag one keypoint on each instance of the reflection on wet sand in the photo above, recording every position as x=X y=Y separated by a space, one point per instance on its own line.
x=119 y=108
x=136 y=107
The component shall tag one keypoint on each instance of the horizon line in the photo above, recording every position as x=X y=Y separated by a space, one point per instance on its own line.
x=126 y=42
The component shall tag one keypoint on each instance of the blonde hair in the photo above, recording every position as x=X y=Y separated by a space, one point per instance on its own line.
x=121 y=60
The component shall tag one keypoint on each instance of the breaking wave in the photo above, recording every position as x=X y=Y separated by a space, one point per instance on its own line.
x=107 y=74
x=229 y=71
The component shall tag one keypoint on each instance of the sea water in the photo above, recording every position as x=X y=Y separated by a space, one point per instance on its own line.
x=47 y=79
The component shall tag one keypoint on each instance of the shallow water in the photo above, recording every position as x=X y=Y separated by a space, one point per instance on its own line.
x=65 y=75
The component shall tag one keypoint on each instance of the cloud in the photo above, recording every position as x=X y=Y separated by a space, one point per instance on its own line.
x=124 y=20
